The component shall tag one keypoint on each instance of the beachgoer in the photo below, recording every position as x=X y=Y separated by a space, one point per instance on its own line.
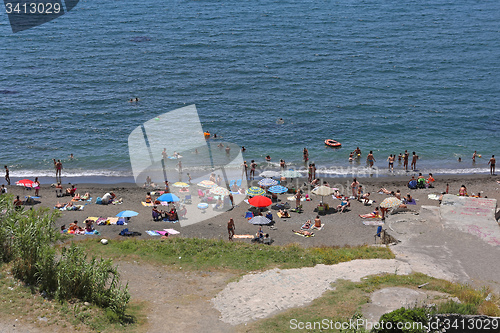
x=315 y=182
x=400 y=156
x=351 y=156
x=71 y=156
x=405 y=160
x=253 y=165
x=314 y=170
x=18 y=203
x=357 y=152
x=219 y=180
x=354 y=187
x=243 y=149
x=360 y=192
x=397 y=194
x=268 y=158
x=391 y=162
x=309 y=173
x=231 y=228
x=298 y=196
x=317 y=222
x=408 y=198
x=189 y=178
x=7 y=176
x=36 y=184
x=108 y=198
x=228 y=150
x=303 y=232
x=137 y=99
x=462 y=191
x=430 y=180
x=3 y=190
x=414 y=161
x=167 y=186
x=215 y=136
x=384 y=190
x=343 y=205
x=245 y=169
x=365 y=197
x=447 y=188
x=474 y=156
x=164 y=153
x=282 y=164
x=370 y=159
x=492 y=163
x=459 y=159
x=307 y=225
x=148 y=197
x=306 y=155
x=59 y=168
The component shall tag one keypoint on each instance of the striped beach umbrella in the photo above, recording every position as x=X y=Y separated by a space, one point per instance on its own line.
x=267 y=182
x=259 y=220
x=219 y=190
x=253 y=191
x=207 y=184
x=390 y=202
x=278 y=189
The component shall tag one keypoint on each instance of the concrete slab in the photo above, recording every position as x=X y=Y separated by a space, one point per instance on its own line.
x=475 y=216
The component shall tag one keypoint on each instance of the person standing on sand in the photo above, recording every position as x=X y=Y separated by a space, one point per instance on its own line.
x=309 y=173
x=354 y=187
x=405 y=160
x=245 y=169
x=298 y=196
x=314 y=170
x=414 y=161
x=231 y=228
x=492 y=163
x=59 y=167
x=7 y=176
x=370 y=159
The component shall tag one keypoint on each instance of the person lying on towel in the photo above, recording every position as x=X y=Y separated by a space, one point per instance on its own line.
x=284 y=213
x=303 y=232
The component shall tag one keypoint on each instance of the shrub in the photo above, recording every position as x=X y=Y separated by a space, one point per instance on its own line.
x=403 y=320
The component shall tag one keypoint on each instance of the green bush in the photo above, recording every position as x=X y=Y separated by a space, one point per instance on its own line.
x=403 y=320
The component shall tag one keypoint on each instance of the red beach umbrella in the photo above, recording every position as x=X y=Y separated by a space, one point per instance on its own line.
x=260 y=201
x=25 y=182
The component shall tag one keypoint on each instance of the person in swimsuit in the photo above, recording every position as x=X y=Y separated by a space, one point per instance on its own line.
x=245 y=169
x=391 y=162
x=314 y=170
x=164 y=153
x=414 y=161
x=405 y=160
x=309 y=173
x=492 y=163
x=268 y=158
x=370 y=159
x=317 y=222
x=282 y=164
x=36 y=184
x=231 y=228
x=354 y=187
x=59 y=168
x=253 y=165
x=399 y=158
x=474 y=156
x=306 y=155
x=357 y=152
x=7 y=177
x=343 y=205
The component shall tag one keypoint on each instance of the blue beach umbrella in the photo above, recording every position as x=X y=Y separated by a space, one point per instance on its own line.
x=278 y=189
x=267 y=182
x=127 y=213
x=168 y=197
x=253 y=191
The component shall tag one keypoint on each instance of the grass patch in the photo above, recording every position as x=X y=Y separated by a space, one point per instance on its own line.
x=203 y=254
x=18 y=301
x=345 y=302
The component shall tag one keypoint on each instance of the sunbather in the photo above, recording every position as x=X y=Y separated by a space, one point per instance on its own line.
x=307 y=225
x=344 y=205
x=384 y=190
x=317 y=222
x=463 y=191
x=71 y=190
x=86 y=196
x=88 y=225
x=375 y=213
x=365 y=198
x=148 y=197
x=408 y=198
x=284 y=213
x=303 y=232
x=18 y=203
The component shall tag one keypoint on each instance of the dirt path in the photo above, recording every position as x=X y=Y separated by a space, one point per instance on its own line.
x=177 y=300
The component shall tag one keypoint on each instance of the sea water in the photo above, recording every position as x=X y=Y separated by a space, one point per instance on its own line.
x=386 y=76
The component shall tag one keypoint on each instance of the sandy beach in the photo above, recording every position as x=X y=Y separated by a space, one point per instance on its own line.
x=340 y=228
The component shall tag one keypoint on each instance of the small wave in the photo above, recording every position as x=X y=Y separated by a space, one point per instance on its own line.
x=69 y=173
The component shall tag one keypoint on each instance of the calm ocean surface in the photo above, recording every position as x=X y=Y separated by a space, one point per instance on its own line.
x=382 y=75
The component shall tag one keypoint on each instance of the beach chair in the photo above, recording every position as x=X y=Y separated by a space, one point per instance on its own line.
x=188 y=199
x=379 y=233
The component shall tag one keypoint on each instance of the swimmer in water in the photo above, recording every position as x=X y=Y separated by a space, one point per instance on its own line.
x=280 y=121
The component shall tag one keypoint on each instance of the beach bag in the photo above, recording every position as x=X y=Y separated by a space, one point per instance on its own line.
x=412 y=184
x=421 y=183
x=98 y=201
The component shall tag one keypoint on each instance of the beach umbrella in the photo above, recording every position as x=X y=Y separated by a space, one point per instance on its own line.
x=253 y=191
x=168 y=197
x=278 y=189
x=260 y=201
x=291 y=174
x=322 y=191
x=390 y=202
x=207 y=183
x=267 y=182
x=127 y=213
x=180 y=184
x=269 y=174
x=219 y=190
x=259 y=220
x=25 y=183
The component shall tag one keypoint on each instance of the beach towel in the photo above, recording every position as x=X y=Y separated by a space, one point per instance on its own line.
x=292 y=198
x=412 y=202
x=161 y=232
x=370 y=216
x=243 y=236
x=172 y=231
x=125 y=232
x=93 y=232
x=298 y=234
x=101 y=221
x=373 y=222
x=316 y=228
x=369 y=202
x=152 y=233
x=433 y=196
x=112 y=220
x=147 y=204
x=92 y=218
x=282 y=215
